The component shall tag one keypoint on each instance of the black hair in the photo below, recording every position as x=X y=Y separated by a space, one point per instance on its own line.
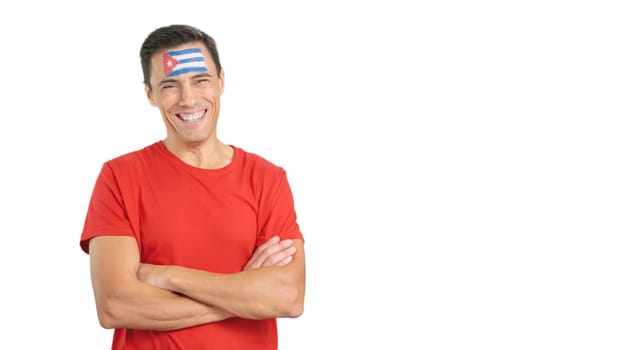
x=171 y=36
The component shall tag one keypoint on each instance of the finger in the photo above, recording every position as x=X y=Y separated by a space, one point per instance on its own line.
x=275 y=259
x=285 y=261
x=255 y=261
x=272 y=241
x=272 y=250
x=271 y=255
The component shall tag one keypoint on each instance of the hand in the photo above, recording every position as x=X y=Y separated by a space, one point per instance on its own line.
x=152 y=274
x=272 y=253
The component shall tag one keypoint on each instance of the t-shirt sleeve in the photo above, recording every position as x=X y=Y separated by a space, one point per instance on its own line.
x=277 y=215
x=106 y=213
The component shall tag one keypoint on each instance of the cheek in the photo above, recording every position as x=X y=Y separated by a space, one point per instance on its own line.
x=211 y=91
x=168 y=99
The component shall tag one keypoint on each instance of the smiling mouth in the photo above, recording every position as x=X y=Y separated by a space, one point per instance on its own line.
x=191 y=117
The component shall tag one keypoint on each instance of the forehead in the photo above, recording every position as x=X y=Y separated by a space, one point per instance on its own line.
x=181 y=59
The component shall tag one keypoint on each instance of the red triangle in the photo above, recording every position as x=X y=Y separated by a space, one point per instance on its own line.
x=169 y=63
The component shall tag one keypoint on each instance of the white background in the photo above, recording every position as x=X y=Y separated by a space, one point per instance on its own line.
x=456 y=165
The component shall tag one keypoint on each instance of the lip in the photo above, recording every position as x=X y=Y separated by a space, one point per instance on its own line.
x=191 y=117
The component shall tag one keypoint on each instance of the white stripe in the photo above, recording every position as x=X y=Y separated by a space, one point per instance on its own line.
x=188 y=55
x=189 y=64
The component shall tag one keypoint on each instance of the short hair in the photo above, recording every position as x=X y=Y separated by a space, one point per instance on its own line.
x=171 y=36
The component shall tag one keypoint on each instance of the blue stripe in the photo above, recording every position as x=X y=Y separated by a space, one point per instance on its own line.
x=184 y=51
x=186 y=70
x=192 y=59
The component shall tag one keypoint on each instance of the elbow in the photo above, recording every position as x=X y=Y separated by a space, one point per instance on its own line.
x=294 y=307
x=107 y=315
x=106 y=321
x=295 y=311
x=287 y=303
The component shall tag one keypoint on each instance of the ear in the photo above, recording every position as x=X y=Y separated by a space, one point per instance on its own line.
x=149 y=95
x=221 y=80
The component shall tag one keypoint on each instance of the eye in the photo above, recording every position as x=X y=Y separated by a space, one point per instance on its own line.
x=203 y=81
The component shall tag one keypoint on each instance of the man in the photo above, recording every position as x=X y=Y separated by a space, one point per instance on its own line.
x=193 y=243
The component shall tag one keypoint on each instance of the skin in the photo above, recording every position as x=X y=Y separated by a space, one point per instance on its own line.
x=274 y=289
x=197 y=142
x=129 y=294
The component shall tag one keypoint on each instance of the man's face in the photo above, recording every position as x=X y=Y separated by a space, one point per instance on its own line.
x=186 y=89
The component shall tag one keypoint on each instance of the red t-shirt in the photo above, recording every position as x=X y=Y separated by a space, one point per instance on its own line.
x=209 y=219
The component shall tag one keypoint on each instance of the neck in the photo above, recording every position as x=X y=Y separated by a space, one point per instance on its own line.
x=209 y=154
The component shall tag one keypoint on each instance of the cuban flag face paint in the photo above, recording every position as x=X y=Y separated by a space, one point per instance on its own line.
x=183 y=61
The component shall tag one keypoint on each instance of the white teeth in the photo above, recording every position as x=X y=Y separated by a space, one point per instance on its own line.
x=191 y=117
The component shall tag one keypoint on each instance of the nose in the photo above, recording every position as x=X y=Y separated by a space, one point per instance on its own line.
x=187 y=98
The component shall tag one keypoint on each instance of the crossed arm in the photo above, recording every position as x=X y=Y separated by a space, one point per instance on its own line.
x=129 y=294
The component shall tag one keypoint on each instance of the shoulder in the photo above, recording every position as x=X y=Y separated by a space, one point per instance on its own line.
x=133 y=160
x=135 y=155
x=257 y=162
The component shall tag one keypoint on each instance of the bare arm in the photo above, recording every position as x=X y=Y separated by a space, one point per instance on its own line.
x=123 y=301
x=272 y=284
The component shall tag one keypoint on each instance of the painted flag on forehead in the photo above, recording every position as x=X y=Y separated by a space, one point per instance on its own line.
x=184 y=61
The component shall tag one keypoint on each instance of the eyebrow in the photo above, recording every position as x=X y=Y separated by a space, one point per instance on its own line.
x=202 y=75
x=166 y=81
x=170 y=80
